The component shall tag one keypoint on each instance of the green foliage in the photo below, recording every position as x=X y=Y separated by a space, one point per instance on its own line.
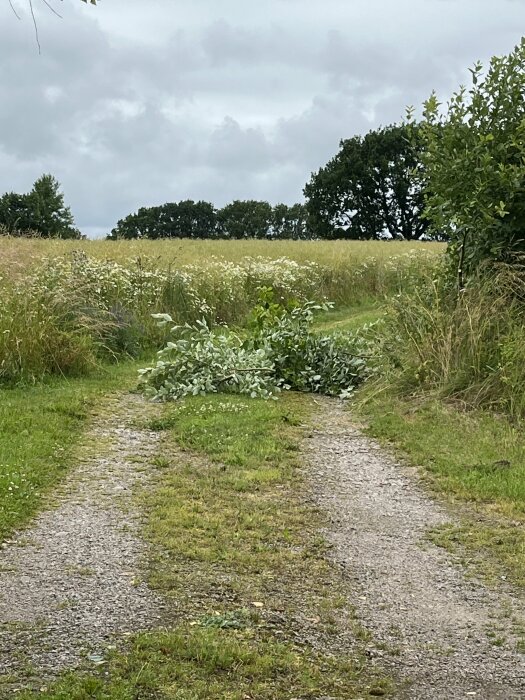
x=368 y=189
x=186 y=219
x=238 y=220
x=245 y=219
x=290 y=222
x=305 y=361
x=279 y=352
x=469 y=347
x=42 y=211
x=474 y=165
x=202 y=362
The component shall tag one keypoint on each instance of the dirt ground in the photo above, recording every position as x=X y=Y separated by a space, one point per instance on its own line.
x=446 y=634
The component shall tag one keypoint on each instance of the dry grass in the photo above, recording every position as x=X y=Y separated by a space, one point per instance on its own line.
x=17 y=254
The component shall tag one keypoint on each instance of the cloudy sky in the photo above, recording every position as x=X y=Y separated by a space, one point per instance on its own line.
x=138 y=102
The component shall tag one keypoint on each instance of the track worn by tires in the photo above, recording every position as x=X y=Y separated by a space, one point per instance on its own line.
x=430 y=624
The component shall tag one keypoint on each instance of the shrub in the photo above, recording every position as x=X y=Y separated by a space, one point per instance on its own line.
x=474 y=165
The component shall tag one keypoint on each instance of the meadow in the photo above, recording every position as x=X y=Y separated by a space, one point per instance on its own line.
x=16 y=254
x=67 y=306
x=73 y=312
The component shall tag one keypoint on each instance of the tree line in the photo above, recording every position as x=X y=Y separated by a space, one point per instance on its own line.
x=239 y=219
x=368 y=190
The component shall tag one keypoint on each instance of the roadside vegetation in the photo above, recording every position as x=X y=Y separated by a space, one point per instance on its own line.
x=451 y=351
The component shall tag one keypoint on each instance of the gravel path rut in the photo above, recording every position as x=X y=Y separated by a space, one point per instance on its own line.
x=429 y=623
x=70 y=585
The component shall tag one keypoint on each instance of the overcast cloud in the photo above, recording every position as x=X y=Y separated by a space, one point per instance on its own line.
x=138 y=102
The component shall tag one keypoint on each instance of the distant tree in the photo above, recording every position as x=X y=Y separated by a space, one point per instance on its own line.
x=289 y=221
x=144 y=224
x=188 y=219
x=368 y=190
x=42 y=211
x=15 y=212
x=245 y=219
x=50 y=216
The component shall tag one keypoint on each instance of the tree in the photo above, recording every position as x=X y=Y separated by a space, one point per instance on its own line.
x=186 y=219
x=50 y=216
x=245 y=219
x=474 y=165
x=368 y=189
x=144 y=224
x=290 y=222
x=42 y=211
x=15 y=213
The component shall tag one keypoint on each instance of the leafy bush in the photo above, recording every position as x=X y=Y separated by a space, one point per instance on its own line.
x=474 y=165
x=279 y=352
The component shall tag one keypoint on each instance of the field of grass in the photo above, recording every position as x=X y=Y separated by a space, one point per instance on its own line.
x=16 y=254
x=69 y=305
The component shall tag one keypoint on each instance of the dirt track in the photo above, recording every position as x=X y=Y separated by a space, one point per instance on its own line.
x=429 y=623
x=70 y=585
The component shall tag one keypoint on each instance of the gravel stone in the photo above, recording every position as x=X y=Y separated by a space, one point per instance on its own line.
x=429 y=622
x=71 y=584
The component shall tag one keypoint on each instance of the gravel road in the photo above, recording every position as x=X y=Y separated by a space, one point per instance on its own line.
x=70 y=584
x=429 y=623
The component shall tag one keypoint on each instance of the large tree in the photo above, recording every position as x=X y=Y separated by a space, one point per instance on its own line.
x=51 y=217
x=290 y=221
x=245 y=219
x=368 y=190
x=186 y=219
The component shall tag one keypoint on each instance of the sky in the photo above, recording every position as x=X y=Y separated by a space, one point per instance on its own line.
x=137 y=102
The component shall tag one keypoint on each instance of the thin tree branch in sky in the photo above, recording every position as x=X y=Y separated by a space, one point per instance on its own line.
x=52 y=8
x=35 y=25
x=14 y=11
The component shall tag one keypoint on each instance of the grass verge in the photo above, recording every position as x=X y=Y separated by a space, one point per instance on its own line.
x=259 y=613
x=470 y=457
x=39 y=425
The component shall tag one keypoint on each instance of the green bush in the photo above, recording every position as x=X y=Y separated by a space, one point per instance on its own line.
x=474 y=165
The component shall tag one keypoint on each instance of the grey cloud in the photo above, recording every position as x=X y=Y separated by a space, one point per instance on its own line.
x=135 y=103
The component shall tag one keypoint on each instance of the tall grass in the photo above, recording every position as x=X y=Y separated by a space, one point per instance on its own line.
x=63 y=314
x=468 y=347
x=17 y=254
